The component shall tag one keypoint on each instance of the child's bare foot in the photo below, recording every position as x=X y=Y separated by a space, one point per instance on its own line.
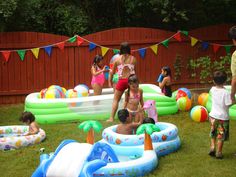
x=110 y=120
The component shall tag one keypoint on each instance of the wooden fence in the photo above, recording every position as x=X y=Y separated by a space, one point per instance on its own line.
x=71 y=66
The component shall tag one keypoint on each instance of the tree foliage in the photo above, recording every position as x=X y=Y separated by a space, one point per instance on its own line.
x=86 y=16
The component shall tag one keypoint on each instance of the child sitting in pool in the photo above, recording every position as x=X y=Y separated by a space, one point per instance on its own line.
x=29 y=119
x=127 y=127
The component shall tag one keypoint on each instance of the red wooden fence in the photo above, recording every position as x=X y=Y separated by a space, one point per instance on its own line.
x=71 y=67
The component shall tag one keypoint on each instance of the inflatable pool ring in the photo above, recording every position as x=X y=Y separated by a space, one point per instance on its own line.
x=12 y=137
x=164 y=142
x=62 y=110
x=199 y=113
x=184 y=103
x=203 y=98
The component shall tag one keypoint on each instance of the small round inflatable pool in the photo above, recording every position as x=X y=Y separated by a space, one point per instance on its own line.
x=12 y=137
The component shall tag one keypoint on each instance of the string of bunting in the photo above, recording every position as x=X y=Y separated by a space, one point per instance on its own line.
x=142 y=51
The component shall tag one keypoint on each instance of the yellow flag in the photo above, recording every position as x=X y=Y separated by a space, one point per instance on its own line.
x=154 y=48
x=35 y=51
x=104 y=50
x=193 y=41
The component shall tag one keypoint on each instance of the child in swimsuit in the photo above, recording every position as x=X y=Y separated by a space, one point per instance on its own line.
x=29 y=119
x=164 y=80
x=98 y=77
x=134 y=99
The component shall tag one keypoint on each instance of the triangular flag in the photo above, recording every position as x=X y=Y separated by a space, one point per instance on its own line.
x=79 y=40
x=216 y=47
x=193 y=41
x=21 y=53
x=6 y=55
x=104 y=50
x=92 y=46
x=227 y=48
x=116 y=51
x=184 y=32
x=48 y=50
x=154 y=48
x=205 y=45
x=165 y=43
x=177 y=36
x=142 y=52
x=61 y=45
x=35 y=51
x=73 y=39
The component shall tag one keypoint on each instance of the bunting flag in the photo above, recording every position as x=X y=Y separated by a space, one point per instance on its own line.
x=216 y=47
x=48 y=50
x=21 y=53
x=6 y=55
x=35 y=51
x=79 y=40
x=142 y=52
x=92 y=46
x=61 y=45
x=193 y=41
x=154 y=48
x=227 y=48
x=205 y=45
x=116 y=51
x=104 y=50
x=165 y=43
x=177 y=37
x=73 y=39
x=184 y=32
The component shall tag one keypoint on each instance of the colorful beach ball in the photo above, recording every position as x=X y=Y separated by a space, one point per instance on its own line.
x=82 y=89
x=184 y=103
x=199 y=113
x=183 y=92
x=42 y=93
x=71 y=93
x=203 y=98
x=54 y=93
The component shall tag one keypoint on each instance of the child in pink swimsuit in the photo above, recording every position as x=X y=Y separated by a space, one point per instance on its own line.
x=98 y=77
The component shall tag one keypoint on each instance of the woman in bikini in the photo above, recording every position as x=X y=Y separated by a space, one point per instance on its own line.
x=126 y=65
x=134 y=99
x=98 y=77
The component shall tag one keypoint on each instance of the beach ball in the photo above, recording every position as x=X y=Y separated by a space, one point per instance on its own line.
x=183 y=92
x=82 y=89
x=71 y=93
x=203 y=98
x=113 y=59
x=42 y=93
x=199 y=113
x=184 y=103
x=54 y=93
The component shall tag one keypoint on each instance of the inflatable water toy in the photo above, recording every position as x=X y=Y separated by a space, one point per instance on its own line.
x=199 y=113
x=132 y=156
x=12 y=137
x=232 y=109
x=61 y=110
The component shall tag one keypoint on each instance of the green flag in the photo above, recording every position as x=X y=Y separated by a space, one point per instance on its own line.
x=21 y=53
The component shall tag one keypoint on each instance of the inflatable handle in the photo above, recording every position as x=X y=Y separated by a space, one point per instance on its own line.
x=160 y=78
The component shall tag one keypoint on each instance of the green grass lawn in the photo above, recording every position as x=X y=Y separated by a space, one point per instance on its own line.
x=191 y=160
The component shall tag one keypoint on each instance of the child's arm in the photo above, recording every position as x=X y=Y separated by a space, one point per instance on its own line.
x=126 y=100
x=111 y=73
x=141 y=98
x=95 y=73
x=163 y=83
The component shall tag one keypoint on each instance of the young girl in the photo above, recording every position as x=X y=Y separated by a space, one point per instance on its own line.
x=165 y=81
x=98 y=77
x=29 y=119
x=134 y=98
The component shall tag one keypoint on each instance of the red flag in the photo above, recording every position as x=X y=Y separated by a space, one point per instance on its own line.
x=215 y=47
x=79 y=41
x=6 y=55
x=177 y=36
x=61 y=45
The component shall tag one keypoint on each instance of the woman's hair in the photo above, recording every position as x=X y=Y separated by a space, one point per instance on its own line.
x=167 y=69
x=124 y=48
x=132 y=79
x=25 y=116
x=122 y=115
x=219 y=77
x=97 y=59
x=232 y=32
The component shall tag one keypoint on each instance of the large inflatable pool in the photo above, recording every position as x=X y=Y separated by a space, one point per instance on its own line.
x=114 y=155
x=232 y=109
x=60 y=110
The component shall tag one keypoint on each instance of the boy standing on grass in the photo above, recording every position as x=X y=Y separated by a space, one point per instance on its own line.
x=219 y=115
